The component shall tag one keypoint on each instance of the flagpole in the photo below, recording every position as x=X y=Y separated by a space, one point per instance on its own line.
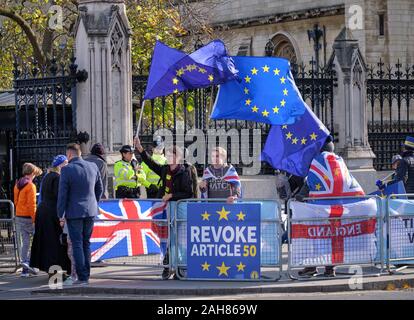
x=140 y=119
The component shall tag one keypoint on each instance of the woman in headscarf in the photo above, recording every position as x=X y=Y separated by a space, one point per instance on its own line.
x=47 y=249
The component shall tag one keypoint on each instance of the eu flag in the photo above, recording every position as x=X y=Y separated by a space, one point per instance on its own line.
x=173 y=71
x=265 y=92
x=390 y=189
x=292 y=147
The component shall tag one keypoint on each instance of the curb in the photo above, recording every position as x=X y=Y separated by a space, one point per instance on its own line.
x=398 y=283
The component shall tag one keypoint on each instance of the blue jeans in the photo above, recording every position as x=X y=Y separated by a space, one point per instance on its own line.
x=80 y=231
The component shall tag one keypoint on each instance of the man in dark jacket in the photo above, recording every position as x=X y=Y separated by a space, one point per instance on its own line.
x=97 y=156
x=176 y=179
x=80 y=189
x=405 y=169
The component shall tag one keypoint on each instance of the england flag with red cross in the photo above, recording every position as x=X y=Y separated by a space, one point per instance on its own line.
x=129 y=227
x=334 y=234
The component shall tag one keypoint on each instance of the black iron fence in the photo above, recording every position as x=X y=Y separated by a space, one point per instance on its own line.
x=390 y=95
x=45 y=105
x=191 y=109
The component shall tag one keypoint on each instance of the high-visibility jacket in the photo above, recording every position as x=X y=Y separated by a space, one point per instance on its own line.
x=151 y=176
x=126 y=176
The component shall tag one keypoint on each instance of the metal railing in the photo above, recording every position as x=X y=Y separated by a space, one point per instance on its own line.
x=328 y=234
x=400 y=230
x=9 y=247
x=270 y=238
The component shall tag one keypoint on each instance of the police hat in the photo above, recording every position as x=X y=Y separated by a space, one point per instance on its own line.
x=409 y=142
x=126 y=148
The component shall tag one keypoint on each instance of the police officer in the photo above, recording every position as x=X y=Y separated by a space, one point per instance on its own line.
x=153 y=182
x=128 y=175
x=405 y=169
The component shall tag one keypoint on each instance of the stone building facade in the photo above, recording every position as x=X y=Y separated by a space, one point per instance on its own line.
x=382 y=27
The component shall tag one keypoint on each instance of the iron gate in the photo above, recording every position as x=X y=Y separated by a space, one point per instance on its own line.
x=45 y=112
x=390 y=96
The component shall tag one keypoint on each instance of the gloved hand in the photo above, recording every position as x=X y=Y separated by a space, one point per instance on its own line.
x=380 y=184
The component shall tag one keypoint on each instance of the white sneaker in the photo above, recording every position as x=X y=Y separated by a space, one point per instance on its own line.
x=24 y=275
x=68 y=282
x=29 y=268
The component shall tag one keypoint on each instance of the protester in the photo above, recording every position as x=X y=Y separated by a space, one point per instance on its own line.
x=395 y=162
x=128 y=175
x=312 y=187
x=220 y=180
x=178 y=180
x=47 y=249
x=25 y=206
x=405 y=169
x=80 y=189
x=97 y=156
x=152 y=180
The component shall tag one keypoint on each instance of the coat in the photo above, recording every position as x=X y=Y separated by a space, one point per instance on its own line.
x=103 y=170
x=25 y=198
x=47 y=249
x=80 y=189
x=182 y=181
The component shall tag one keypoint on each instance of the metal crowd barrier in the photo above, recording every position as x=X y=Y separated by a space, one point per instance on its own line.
x=400 y=230
x=134 y=231
x=9 y=250
x=320 y=253
x=271 y=237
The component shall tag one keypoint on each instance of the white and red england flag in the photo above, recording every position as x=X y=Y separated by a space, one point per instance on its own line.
x=347 y=239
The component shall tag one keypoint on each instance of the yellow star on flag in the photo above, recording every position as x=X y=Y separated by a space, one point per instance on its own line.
x=175 y=81
x=295 y=141
x=223 y=269
x=276 y=110
x=313 y=136
x=285 y=92
x=246 y=91
x=303 y=141
x=205 y=215
x=276 y=71
x=254 y=109
x=202 y=70
x=206 y=266
x=282 y=80
x=193 y=67
x=175 y=91
x=188 y=67
x=240 y=216
x=318 y=187
x=254 y=71
x=265 y=68
x=248 y=102
x=283 y=103
x=210 y=78
x=247 y=79
x=223 y=214
x=289 y=135
x=284 y=127
x=180 y=72
x=240 y=267
x=265 y=113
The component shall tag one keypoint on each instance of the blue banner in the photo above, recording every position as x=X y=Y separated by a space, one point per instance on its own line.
x=223 y=241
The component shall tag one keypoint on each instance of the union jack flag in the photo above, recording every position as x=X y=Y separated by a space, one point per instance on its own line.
x=115 y=235
x=230 y=176
x=329 y=177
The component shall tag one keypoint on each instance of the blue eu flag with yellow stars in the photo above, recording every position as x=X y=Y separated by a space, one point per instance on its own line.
x=291 y=148
x=264 y=92
x=173 y=71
